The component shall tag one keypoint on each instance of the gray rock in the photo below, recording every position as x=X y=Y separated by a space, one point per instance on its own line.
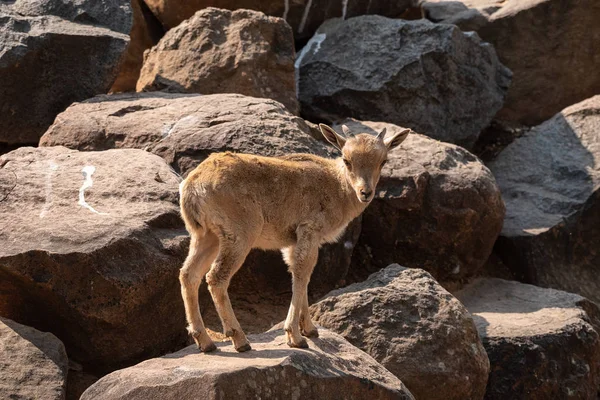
x=436 y=207
x=46 y=63
x=219 y=51
x=432 y=78
x=115 y=15
x=542 y=343
x=550 y=181
x=34 y=364
x=405 y=320
x=331 y=369
x=551 y=46
x=90 y=249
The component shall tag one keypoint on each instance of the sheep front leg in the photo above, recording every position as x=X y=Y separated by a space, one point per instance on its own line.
x=301 y=259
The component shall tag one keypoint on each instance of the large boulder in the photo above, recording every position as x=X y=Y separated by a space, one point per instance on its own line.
x=551 y=46
x=432 y=78
x=416 y=329
x=550 y=181
x=220 y=51
x=436 y=207
x=90 y=249
x=330 y=369
x=79 y=61
x=304 y=16
x=184 y=129
x=542 y=343
x=146 y=31
x=34 y=364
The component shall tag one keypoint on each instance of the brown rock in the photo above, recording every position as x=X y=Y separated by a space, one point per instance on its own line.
x=331 y=369
x=437 y=207
x=183 y=128
x=416 y=329
x=551 y=46
x=90 y=248
x=550 y=181
x=542 y=343
x=219 y=51
x=34 y=364
x=304 y=16
x=146 y=31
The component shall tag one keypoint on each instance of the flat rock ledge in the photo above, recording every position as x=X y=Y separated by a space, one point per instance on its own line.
x=542 y=343
x=330 y=369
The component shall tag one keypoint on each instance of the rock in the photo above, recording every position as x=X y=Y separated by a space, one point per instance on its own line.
x=430 y=78
x=304 y=16
x=330 y=369
x=436 y=207
x=34 y=364
x=405 y=320
x=79 y=61
x=219 y=51
x=550 y=181
x=146 y=31
x=183 y=128
x=551 y=46
x=542 y=343
x=115 y=15
x=90 y=249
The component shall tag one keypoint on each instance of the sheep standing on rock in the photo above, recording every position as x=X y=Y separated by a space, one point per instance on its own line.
x=232 y=203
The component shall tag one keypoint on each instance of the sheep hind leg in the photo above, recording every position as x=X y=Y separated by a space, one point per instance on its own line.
x=200 y=257
x=229 y=260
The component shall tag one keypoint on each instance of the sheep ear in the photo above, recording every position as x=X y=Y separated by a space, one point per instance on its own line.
x=381 y=134
x=332 y=136
x=396 y=139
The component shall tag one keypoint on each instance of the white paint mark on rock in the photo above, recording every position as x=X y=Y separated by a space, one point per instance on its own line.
x=344 y=8
x=87 y=172
x=316 y=41
x=53 y=168
x=287 y=9
x=304 y=16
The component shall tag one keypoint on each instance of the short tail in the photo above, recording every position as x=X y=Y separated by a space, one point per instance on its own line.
x=190 y=209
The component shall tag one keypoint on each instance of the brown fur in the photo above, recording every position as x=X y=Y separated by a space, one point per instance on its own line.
x=232 y=203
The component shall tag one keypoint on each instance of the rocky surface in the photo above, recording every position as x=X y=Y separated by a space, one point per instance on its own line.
x=330 y=369
x=550 y=181
x=34 y=364
x=79 y=61
x=551 y=46
x=431 y=78
x=304 y=16
x=115 y=15
x=90 y=249
x=219 y=51
x=146 y=31
x=182 y=128
x=436 y=207
x=416 y=329
x=542 y=343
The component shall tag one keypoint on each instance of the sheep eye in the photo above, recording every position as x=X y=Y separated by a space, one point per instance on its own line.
x=348 y=165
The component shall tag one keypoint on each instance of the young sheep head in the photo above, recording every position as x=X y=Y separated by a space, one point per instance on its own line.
x=364 y=156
